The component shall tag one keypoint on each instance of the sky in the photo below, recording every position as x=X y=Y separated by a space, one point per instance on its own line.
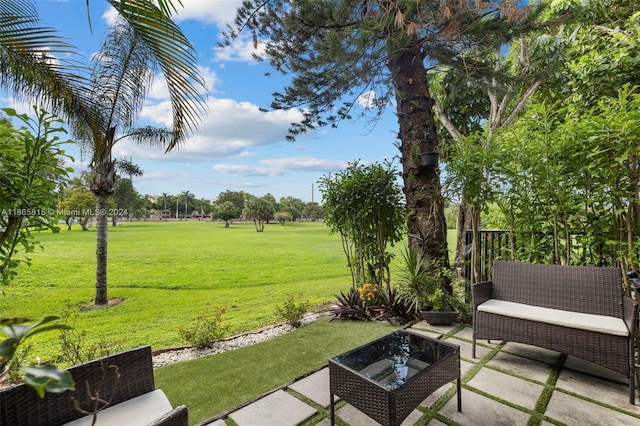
x=237 y=147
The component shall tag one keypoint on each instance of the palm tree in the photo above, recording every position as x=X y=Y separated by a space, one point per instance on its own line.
x=122 y=72
x=165 y=197
x=187 y=197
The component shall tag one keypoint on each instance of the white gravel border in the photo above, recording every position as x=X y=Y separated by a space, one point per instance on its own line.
x=170 y=356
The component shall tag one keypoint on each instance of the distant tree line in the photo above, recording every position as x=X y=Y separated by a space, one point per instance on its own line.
x=77 y=204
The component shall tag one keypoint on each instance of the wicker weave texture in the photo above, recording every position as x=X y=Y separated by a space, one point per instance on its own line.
x=391 y=407
x=585 y=289
x=609 y=351
x=115 y=378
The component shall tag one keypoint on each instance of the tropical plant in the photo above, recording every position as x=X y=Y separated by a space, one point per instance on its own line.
x=121 y=75
x=421 y=282
x=101 y=106
x=350 y=306
x=364 y=205
x=42 y=378
x=30 y=173
x=259 y=210
x=393 y=305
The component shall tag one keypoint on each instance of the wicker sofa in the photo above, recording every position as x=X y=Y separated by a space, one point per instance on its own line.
x=577 y=310
x=124 y=379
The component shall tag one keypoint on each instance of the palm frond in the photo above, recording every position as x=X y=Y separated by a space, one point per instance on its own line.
x=36 y=64
x=159 y=137
x=176 y=58
x=122 y=73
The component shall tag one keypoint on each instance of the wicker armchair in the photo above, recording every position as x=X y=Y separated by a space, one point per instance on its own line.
x=117 y=378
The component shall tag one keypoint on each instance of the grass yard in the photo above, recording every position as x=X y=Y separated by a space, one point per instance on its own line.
x=168 y=273
x=213 y=384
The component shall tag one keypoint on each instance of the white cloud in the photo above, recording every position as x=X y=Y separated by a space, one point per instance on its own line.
x=219 y=12
x=160 y=91
x=241 y=49
x=245 y=170
x=110 y=16
x=280 y=166
x=367 y=100
x=229 y=129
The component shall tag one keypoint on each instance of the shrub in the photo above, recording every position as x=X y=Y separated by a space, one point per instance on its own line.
x=74 y=345
x=393 y=305
x=350 y=306
x=292 y=312
x=206 y=329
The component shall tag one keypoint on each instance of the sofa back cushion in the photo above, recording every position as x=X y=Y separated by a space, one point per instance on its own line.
x=587 y=289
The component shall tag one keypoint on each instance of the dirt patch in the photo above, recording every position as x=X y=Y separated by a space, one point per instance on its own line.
x=90 y=306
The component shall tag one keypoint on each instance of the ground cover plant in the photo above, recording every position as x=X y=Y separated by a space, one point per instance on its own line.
x=213 y=384
x=163 y=274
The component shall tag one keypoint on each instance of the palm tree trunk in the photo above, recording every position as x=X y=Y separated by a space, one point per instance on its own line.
x=102 y=204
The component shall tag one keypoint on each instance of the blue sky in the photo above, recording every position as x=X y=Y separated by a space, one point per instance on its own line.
x=237 y=147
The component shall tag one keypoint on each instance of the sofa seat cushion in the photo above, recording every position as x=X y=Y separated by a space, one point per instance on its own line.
x=141 y=410
x=578 y=320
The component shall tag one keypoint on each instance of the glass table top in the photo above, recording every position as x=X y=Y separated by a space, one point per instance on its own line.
x=393 y=359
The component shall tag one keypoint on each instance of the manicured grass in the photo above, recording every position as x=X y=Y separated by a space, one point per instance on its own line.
x=213 y=384
x=167 y=273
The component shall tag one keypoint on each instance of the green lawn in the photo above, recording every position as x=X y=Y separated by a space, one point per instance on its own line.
x=167 y=273
x=213 y=384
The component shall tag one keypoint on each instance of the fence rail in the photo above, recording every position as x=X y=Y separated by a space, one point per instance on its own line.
x=531 y=247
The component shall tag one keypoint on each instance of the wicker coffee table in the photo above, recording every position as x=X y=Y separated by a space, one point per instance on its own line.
x=388 y=378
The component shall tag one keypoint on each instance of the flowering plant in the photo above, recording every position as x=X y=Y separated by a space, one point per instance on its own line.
x=369 y=291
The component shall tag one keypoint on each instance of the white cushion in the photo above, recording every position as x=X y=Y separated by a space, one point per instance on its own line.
x=140 y=410
x=598 y=323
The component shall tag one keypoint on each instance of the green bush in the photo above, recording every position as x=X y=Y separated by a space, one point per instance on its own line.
x=291 y=311
x=206 y=329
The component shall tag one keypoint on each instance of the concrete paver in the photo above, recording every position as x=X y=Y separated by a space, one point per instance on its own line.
x=518 y=361
x=575 y=411
x=532 y=352
x=276 y=409
x=478 y=410
x=315 y=387
x=467 y=347
x=508 y=388
x=355 y=417
x=521 y=366
x=605 y=391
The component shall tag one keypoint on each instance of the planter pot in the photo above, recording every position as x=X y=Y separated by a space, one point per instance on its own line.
x=429 y=159
x=440 y=317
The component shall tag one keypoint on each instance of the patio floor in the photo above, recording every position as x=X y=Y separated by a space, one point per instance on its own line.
x=508 y=384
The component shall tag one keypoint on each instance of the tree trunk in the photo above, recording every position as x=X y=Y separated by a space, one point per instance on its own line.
x=425 y=204
x=103 y=178
x=462 y=225
x=102 y=204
